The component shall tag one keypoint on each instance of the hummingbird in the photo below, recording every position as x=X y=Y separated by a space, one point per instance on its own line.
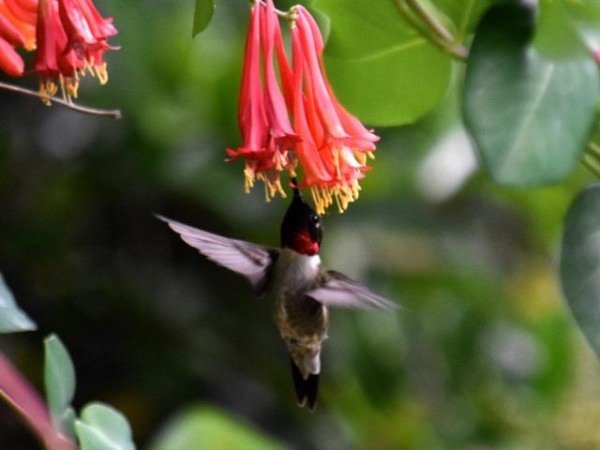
x=292 y=279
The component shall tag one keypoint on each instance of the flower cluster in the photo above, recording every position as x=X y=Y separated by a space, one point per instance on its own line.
x=69 y=37
x=295 y=119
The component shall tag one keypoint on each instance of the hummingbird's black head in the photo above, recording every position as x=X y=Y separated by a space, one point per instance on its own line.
x=301 y=229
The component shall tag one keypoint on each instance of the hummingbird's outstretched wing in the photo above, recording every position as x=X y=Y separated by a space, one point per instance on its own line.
x=250 y=260
x=340 y=291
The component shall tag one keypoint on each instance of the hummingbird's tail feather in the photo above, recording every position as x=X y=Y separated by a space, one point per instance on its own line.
x=306 y=389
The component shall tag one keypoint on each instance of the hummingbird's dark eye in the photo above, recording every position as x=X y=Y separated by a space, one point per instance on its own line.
x=315 y=219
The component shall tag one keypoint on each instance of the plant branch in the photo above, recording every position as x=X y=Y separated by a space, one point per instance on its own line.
x=591 y=164
x=114 y=113
x=593 y=149
x=434 y=30
x=591 y=158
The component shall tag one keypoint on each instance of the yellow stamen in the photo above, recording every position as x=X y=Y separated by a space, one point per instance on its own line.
x=292 y=169
x=322 y=198
x=48 y=88
x=72 y=86
x=102 y=73
x=341 y=194
x=249 y=177
x=272 y=187
x=281 y=160
x=336 y=161
x=266 y=186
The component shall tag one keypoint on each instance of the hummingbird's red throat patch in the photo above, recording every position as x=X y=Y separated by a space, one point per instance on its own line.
x=303 y=244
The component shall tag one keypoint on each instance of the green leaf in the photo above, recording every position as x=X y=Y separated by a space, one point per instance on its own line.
x=59 y=379
x=580 y=263
x=204 y=427
x=12 y=318
x=203 y=13
x=366 y=29
x=529 y=115
x=102 y=427
x=379 y=67
x=586 y=19
x=557 y=34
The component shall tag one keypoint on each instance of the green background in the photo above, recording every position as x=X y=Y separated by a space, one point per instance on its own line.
x=484 y=355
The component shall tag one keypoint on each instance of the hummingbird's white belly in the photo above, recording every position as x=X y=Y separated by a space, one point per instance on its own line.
x=301 y=320
x=294 y=272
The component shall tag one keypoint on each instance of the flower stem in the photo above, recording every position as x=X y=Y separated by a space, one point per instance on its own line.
x=434 y=30
x=591 y=164
x=287 y=15
x=593 y=149
x=591 y=158
x=19 y=394
x=114 y=113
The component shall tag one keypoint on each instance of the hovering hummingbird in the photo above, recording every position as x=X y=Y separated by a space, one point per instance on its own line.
x=293 y=280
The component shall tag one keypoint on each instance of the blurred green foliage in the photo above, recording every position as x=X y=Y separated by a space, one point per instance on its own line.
x=531 y=95
x=484 y=354
x=205 y=427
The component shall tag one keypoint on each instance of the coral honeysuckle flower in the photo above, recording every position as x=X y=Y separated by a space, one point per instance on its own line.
x=87 y=32
x=252 y=118
x=14 y=32
x=279 y=122
x=10 y=33
x=10 y=61
x=315 y=174
x=21 y=15
x=330 y=145
x=24 y=10
x=55 y=63
x=343 y=143
x=267 y=133
x=69 y=36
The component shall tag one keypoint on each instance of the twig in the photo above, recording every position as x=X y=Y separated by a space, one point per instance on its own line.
x=591 y=164
x=435 y=25
x=593 y=149
x=114 y=113
x=441 y=36
x=591 y=158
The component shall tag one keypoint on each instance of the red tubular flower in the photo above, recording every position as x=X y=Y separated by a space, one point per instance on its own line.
x=343 y=142
x=10 y=33
x=314 y=170
x=267 y=133
x=21 y=14
x=55 y=63
x=252 y=118
x=10 y=61
x=70 y=37
x=10 y=37
x=87 y=32
x=277 y=116
x=285 y=72
x=14 y=32
x=23 y=10
x=330 y=145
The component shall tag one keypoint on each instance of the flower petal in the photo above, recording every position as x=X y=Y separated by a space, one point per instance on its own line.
x=11 y=62
x=277 y=116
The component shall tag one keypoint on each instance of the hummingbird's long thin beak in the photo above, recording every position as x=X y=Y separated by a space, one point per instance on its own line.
x=295 y=188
